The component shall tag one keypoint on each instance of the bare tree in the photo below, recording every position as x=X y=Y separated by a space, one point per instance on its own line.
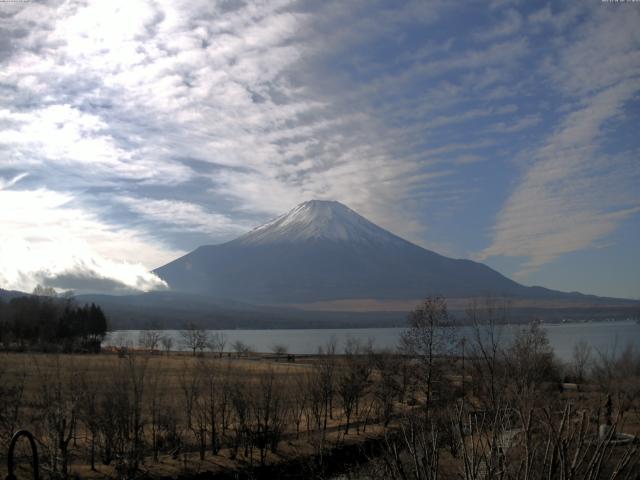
x=269 y=413
x=190 y=385
x=122 y=343
x=136 y=369
x=388 y=386
x=149 y=340
x=167 y=343
x=580 y=360
x=316 y=400
x=487 y=317
x=353 y=379
x=89 y=412
x=240 y=403
x=567 y=434
x=279 y=350
x=194 y=338
x=299 y=401
x=414 y=451
x=429 y=335
x=213 y=400
x=326 y=369
x=190 y=388
x=530 y=361
x=618 y=375
x=240 y=348
x=57 y=402
x=154 y=403
x=11 y=395
x=111 y=416
x=224 y=398
x=217 y=342
x=122 y=417
x=480 y=437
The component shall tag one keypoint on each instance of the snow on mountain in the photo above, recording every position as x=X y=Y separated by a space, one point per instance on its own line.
x=323 y=250
x=318 y=220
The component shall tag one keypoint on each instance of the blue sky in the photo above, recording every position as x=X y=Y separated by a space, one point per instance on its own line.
x=504 y=131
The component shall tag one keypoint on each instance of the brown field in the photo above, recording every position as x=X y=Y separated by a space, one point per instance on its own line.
x=167 y=379
x=140 y=414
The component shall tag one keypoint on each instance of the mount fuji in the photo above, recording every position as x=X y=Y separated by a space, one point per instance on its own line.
x=323 y=251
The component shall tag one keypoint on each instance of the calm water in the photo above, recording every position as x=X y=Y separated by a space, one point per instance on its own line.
x=603 y=336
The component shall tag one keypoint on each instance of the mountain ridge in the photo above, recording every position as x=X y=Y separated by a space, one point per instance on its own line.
x=323 y=251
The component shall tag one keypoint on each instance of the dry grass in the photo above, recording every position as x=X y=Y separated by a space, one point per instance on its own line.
x=172 y=370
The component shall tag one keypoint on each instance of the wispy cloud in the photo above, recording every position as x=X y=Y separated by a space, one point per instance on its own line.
x=523 y=123
x=184 y=216
x=576 y=191
x=8 y=183
x=171 y=123
x=510 y=24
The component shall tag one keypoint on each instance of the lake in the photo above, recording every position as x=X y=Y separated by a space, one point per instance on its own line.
x=602 y=336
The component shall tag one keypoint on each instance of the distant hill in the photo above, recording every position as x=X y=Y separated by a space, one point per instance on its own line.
x=7 y=295
x=171 y=310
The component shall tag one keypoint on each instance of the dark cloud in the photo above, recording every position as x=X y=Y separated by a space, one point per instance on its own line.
x=90 y=281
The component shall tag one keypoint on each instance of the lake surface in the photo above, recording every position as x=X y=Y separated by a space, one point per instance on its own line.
x=602 y=336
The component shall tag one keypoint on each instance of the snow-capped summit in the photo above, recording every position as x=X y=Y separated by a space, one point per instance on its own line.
x=318 y=220
x=323 y=250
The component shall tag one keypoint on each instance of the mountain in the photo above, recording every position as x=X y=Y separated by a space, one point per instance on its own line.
x=324 y=266
x=7 y=295
x=324 y=251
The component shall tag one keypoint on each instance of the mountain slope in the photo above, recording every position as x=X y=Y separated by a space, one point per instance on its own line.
x=325 y=251
x=8 y=295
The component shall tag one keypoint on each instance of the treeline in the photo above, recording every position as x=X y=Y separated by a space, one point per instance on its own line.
x=50 y=323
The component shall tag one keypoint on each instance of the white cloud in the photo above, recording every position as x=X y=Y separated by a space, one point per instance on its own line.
x=599 y=54
x=45 y=237
x=185 y=216
x=64 y=136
